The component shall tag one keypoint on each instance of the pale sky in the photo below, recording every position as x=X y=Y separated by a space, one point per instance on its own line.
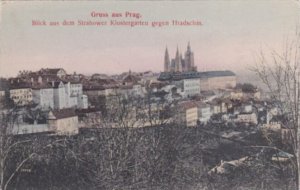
x=231 y=33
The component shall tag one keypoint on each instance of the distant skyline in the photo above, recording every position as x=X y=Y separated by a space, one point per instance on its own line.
x=232 y=32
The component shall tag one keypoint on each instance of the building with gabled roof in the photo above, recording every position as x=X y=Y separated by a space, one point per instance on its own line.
x=43 y=95
x=67 y=95
x=188 y=113
x=63 y=121
x=59 y=72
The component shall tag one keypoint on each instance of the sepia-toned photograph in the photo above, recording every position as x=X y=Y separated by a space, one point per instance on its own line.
x=150 y=95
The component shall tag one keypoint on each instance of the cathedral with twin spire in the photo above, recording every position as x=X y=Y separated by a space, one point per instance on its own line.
x=180 y=64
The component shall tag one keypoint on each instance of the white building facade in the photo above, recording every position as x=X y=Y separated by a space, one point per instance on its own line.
x=67 y=95
x=191 y=87
x=44 y=97
x=63 y=122
x=204 y=113
x=21 y=96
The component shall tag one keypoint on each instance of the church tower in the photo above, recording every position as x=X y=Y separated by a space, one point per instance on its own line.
x=189 y=59
x=167 y=61
x=178 y=67
x=180 y=63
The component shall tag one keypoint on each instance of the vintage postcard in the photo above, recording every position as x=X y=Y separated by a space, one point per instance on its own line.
x=154 y=95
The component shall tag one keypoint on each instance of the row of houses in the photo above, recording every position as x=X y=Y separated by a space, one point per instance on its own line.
x=193 y=112
x=222 y=110
x=55 y=95
x=58 y=94
x=55 y=89
x=49 y=88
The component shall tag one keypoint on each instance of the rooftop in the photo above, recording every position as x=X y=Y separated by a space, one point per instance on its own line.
x=51 y=71
x=62 y=113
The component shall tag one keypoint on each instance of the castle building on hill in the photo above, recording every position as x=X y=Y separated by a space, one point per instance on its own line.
x=180 y=64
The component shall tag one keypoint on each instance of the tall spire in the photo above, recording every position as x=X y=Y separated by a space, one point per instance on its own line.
x=177 y=61
x=166 y=52
x=189 y=47
x=177 y=52
x=167 y=61
x=189 y=59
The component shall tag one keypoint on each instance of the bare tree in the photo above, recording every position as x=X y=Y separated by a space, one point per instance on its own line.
x=280 y=72
x=130 y=148
x=17 y=151
x=7 y=145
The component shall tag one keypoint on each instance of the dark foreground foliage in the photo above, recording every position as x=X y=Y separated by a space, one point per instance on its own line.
x=163 y=157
